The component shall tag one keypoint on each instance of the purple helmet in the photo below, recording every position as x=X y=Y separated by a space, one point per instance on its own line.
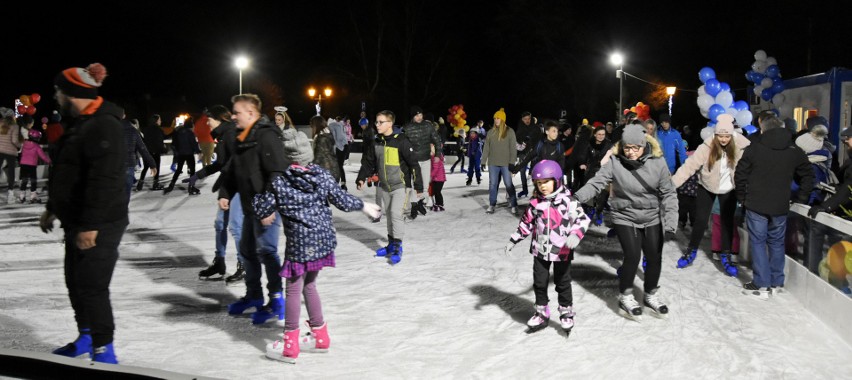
x=545 y=169
x=34 y=135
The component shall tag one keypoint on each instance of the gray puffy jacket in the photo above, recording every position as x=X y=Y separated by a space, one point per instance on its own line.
x=422 y=135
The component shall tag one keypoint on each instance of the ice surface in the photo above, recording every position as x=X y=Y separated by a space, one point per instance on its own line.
x=455 y=307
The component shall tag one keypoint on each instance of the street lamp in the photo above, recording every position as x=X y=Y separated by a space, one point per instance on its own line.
x=670 y=91
x=313 y=92
x=241 y=63
x=618 y=60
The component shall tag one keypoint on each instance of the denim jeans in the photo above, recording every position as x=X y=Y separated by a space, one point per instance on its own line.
x=261 y=250
x=129 y=178
x=495 y=173
x=766 y=246
x=229 y=220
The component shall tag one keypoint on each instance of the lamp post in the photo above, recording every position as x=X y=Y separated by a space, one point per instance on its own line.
x=313 y=92
x=241 y=63
x=670 y=91
x=618 y=60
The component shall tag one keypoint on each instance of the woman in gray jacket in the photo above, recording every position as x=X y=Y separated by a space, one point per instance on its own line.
x=644 y=204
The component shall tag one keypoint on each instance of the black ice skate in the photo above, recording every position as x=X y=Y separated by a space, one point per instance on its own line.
x=217 y=268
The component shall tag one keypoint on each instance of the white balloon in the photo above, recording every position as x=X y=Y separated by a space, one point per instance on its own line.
x=724 y=99
x=771 y=61
x=778 y=99
x=766 y=83
x=702 y=91
x=743 y=117
x=758 y=90
x=760 y=55
x=732 y=111
x=704 y=102
x=705 y=113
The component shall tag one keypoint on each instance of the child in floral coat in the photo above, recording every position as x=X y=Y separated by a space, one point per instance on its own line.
x=557 y=224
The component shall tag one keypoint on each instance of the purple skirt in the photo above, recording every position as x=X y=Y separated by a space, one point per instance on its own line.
x=292 y=269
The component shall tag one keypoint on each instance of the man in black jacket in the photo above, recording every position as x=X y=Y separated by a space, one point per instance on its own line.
x=767 y=165
x=152 y=135
x=528 y=136
x=258 y=158
x=87 y=194
x=425 y=142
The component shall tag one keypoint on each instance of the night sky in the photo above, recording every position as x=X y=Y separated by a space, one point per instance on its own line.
x=524 y=55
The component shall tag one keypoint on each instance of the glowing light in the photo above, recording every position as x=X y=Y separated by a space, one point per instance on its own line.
x=241 y=62
x=311 y=92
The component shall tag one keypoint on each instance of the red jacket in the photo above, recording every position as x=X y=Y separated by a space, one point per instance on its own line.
x=202 y=130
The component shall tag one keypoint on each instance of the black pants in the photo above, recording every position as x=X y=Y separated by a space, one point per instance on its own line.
x=87 y=276
x=703 y=205
x=180 y=159
x=146 y=168
x=634 y=242
x=459 y=158
x=436 y=190
x=685 y=210
x=28 y=173
x=342 y=155
x=11 y=162
x=561 y=278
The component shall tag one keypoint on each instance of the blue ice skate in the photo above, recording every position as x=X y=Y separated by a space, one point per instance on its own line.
x=687 y=258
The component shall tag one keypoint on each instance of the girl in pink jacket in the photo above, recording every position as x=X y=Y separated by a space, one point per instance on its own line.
x=31 y=152
x=557 y=223
x=438 y=179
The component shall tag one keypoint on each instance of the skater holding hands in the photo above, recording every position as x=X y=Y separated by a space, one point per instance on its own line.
x=557 y=224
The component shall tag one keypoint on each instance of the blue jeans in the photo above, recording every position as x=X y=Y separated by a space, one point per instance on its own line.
x=766 y=246
x=131 y=176
x=494 y=175
x=475 y=166
x=263 y=249
x=229 y=220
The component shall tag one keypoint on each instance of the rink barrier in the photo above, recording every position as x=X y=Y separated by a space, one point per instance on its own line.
x=39 y=365
x=819 y=297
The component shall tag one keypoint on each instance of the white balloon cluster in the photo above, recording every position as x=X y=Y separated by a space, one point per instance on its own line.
x=766 y=77
x=715 y=98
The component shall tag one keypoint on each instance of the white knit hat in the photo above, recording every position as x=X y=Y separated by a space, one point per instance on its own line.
x=809 y=142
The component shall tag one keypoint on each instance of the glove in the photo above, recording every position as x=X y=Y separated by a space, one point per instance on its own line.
x=812 y=213
x=191 y=180
x=670 y=235
x=46 y=221
x=572 y=242
x=513 y=168
x=372 y=210
x=509 y=247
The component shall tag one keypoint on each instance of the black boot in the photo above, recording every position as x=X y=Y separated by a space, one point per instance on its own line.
x=156 y=186
x=194 y=190
x=168 y=189
x=238 y=276
x=218 y=267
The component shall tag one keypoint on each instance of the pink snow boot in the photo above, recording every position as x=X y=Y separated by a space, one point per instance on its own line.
x=317 y=340
x=287 y=350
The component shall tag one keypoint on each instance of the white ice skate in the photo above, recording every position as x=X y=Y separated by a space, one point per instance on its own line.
x=539 y=320
x=566 y=317
x=653 y=301
x=629 y=306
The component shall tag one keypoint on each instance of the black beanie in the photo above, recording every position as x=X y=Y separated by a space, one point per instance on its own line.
x=415 y=110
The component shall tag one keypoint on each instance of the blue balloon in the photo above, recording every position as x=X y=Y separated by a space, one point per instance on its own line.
x=772 y=71
x=705 y=74
x=740 y=105
x=757 y=77
x=748 y=75
x=714 y=112
x=778 y=86
x=724 y=87
x=712 y=87
x=750 y=129
x=766 y=94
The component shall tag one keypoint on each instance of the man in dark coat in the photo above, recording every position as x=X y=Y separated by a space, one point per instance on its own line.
x=87 y=194
x=769 y=164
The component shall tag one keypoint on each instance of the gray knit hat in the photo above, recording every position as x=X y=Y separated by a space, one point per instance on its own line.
x=297 y=147
x=633 y=134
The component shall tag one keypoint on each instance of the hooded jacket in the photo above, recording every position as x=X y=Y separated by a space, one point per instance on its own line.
x=671 y=143
x=766 y=170
x=551 y=220
x=256 y=161
x=302 y=195
x=709 y=179
x=31 y=152
x=87 y=183
x=393 y=159
x=543 y=150
x=632 y=202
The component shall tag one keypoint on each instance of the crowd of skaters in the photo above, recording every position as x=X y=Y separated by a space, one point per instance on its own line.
x=640 y=177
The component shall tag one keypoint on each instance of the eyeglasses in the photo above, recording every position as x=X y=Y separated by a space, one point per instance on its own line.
x=379 y=122
x=634 y=148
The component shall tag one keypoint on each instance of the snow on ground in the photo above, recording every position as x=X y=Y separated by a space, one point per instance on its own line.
x=455 y=307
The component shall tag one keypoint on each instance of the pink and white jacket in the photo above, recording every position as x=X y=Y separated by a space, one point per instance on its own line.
x=551 y=220
x=31 y=152
x=438 y=172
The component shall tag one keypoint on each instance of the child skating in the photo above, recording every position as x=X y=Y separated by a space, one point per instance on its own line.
x=30 y=154
x=302 y=195
x=439 y=176
x=557 y=224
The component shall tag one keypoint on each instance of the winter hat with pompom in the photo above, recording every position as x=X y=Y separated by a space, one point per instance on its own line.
x=78 y=82
x=297 y=147
x=813 y=140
